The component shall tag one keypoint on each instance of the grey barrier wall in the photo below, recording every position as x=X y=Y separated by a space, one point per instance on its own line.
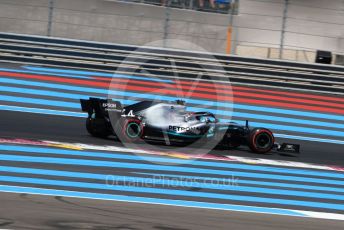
x=29 y=17
x=110 y=21
x=308 y=25
x=257 y=29
x=166 y=63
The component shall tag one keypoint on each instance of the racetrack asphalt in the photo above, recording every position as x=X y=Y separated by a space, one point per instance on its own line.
x=25 y=211
x=72 y=129
x=44 y=170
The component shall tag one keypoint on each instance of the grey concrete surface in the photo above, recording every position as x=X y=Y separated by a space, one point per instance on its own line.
x=310 y=25
x=111 y=21
x=23 y=211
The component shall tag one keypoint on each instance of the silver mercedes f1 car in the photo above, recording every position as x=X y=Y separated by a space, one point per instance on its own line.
x=171 y=124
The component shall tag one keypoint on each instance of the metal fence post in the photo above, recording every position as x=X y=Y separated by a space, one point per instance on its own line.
x=233 y=40
x=284 y=23
x=167 y=22
x=50 y=17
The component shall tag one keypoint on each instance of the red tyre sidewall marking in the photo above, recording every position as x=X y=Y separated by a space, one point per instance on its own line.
x=262 y=131
x=125 y=127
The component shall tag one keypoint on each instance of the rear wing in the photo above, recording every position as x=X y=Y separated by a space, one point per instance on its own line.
x=100 y=107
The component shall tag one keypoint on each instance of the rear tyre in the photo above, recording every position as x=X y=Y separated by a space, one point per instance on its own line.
x=96 y=129
x=131 y=130
x=261 y=140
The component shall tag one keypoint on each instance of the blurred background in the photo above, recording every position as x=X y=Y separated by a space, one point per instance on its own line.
x=277 y=29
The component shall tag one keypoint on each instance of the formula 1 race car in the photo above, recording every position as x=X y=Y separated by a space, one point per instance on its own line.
x=170 y=123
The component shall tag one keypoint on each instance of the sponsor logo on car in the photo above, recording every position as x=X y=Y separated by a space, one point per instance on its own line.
x=111 y=107
x=184 y=129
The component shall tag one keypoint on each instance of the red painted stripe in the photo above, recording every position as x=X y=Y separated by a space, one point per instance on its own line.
x=227 y=91
x=288 y=99
x=223 y=89
x=293 y=94
x=56 y=79
x=278 y=92
x=226 y=98
x=176 y=93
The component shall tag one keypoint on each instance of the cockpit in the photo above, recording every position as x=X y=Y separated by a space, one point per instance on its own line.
x=201 y=117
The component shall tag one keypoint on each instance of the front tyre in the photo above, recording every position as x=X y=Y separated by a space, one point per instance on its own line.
x=261 y=140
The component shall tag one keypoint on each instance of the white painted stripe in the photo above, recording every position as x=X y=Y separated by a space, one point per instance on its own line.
x=248 y=160
x=293 y=164
x=323 y=215
x=315 y=139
